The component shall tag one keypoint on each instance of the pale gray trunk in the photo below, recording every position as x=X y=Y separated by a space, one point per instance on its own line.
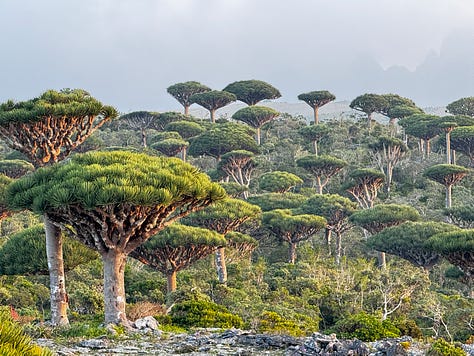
x=448 y=195
x=114 y=288
x=57 y=279
x=221 y=265
x=186 y=109
x=327 y=236
x=143 y=135
x=258 y=136
x=316 y=115
x=183 y=154
x=382 y=260
x=338 y=247
x=448 y=147
x=213 y=116
x=319 y=186
x=292 y=253
x=315 y=147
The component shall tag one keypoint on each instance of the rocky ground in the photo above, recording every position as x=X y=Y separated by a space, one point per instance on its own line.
x=151 y=341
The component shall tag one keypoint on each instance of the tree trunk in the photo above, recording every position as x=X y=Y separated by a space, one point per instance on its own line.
x=143 y=134
x=171 y=279
x=448 y=195
x=428 y=147
x=327 y=237
x=221 y=265
x=316 y=115
x=315 y=147
x=114 y=287
x=186 y=109
x=382 y=260
x=57 y=279
x=319 y=186
x=292 y=253
x=389 y=177
x=258 y=136
x=338 y=248
x=369 y=121
x=448 y=147
x=183 y=154
x=453 y=157
x=213 y=115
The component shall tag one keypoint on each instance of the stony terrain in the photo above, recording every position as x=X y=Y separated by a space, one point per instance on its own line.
x=151 y=341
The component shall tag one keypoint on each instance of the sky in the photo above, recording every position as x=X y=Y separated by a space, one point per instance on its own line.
x=127 y=52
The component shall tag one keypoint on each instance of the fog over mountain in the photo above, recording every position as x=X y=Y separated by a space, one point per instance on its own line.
x=126 y=53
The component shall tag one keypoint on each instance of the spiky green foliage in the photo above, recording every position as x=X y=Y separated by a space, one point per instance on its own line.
x=408 y=241
x=317 y=98
x=15 y=342
x=333 y=207
x=186 y=129
x=239 y=245
x=462 y=216
x=292 y=228
x=118 y=185
x=323 y=168
x=165 y=118
x=384 y=142
x=252 y=91
x=463 y=106
x=224 y=216
x=25 y=253
x=171 y=146
x=213 y=100
x=47 y=128
x=255 y=116
x=183 y=92
x=422 y=126
x=462 y=140
x=364 y=185
x=4 y=182
x=314 y=132
x=370 y=103
x=457 y=247
x=402 y=111
x=139 y=120
x=233 y=189
x=446 y=174
x=223 y=138
x=382 y=216
x=278 y=181
x=15 y=168
x=272 y=201
x=177 y=247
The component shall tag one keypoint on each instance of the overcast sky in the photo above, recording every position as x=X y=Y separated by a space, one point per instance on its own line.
x=127 y=52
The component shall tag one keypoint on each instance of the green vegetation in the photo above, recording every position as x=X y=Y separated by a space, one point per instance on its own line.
x=128 y=204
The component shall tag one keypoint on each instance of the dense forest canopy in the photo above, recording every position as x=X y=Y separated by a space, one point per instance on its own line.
x=272 y=190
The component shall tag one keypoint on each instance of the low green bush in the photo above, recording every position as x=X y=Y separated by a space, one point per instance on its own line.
x=443 y=348
x=272 y=322
x=199 y=313
x=365 y=327
x=14 y=341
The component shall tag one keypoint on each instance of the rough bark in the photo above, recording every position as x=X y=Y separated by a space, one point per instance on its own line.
x=171 y=281
x=213 y=115
x=292 y=253
x=316 y=114
x=114 y=287
x=221 y=265
x=448 y=195
x=57 y=279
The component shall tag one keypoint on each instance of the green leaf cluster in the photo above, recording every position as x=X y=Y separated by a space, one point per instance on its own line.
x=252 y=91
x=278 y=181
x=108 y=178
x=255 y=116
x=272 y=201
x=177 y=235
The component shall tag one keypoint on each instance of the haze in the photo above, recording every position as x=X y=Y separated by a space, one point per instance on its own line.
x=126 y=53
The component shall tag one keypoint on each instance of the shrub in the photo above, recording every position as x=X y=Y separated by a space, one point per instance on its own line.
x=14 y=341
x=272 y=322
x=443 y=348
x=408 y=327
x=199 y=313
x=143 y=309
x=365 y=327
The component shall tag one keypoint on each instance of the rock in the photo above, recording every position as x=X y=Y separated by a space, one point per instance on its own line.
x=93 y=344
x=146 y=322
